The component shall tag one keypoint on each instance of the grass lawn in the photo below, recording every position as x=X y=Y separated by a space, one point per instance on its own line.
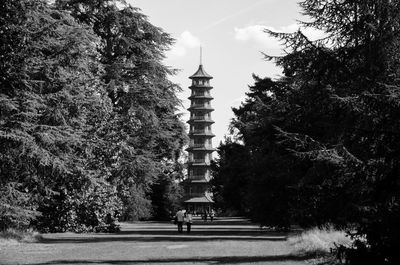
x=224 y=241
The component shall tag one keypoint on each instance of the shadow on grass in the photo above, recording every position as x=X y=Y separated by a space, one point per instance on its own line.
x=202 y=232
x=214 y=260
x=151 y=235
x=237 y=230
x=180 y=238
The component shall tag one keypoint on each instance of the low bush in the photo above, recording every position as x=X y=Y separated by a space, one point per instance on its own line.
x=95 y=209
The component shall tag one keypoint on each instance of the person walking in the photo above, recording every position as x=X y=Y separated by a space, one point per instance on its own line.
x=205 y=215
x=189 y=221
x=179 y=220
x=212 y=214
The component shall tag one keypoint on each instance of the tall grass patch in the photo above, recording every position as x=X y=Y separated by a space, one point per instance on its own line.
x=319 y=241
x=11 y=235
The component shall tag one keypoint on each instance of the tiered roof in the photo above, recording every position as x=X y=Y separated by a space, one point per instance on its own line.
x=200 y=73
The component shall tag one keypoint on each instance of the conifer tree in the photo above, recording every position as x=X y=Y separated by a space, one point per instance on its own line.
x=49 y=90
x=143 y=133
x=324 y=138
x=88 y=116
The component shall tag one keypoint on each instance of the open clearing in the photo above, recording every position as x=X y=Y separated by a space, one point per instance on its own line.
x=224 y=241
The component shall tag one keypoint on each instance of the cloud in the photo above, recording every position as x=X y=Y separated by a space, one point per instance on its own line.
x=255 y=33
x=189 y=40
x=186 y=40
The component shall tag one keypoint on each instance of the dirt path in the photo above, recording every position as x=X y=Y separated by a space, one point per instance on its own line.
x=227 y=241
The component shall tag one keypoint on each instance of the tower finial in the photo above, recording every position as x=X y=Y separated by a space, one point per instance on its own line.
x=201 y=55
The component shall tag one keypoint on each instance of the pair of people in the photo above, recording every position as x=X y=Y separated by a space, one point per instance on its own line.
x=182 y=217
x=206 y=214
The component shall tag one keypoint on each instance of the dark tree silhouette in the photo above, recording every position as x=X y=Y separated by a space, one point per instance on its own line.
x=324 y=139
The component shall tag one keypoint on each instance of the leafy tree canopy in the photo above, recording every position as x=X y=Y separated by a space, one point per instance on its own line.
x=88 y=116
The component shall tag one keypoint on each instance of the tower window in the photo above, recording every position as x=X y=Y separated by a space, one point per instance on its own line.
x=198 y=141
x=198 y=156
x=198 y=171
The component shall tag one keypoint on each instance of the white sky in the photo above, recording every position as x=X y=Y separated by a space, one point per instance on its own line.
x=230 y=32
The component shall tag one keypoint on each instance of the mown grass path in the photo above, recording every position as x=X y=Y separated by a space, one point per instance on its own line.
x=224 y=241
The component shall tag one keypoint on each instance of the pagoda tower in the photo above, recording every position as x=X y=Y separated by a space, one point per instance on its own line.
x=198 y=197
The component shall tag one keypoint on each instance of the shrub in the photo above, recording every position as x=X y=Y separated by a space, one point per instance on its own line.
x=11 y=234
x=95 y=209
x=319 y=241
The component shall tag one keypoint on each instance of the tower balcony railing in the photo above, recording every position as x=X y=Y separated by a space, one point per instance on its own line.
x=198 y=161
x=200 y=145
x=200 y=118
x=200 y=94
x=203 y=105
x=200 y=131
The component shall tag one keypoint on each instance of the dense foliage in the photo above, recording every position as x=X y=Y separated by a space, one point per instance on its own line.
x=87 y=119
x=167 y=193
x=230 y=178
x=323 y=140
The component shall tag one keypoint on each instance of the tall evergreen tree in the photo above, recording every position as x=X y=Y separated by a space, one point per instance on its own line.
x=143 y=133
x=49 y=90
x=231 y=178
x=325 y=137
x=88 y=115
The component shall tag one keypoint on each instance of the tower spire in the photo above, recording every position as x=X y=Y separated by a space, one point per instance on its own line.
x=201 y=55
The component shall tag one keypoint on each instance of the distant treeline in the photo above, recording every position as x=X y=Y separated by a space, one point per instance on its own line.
x=88 y=125
x=321 y=144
